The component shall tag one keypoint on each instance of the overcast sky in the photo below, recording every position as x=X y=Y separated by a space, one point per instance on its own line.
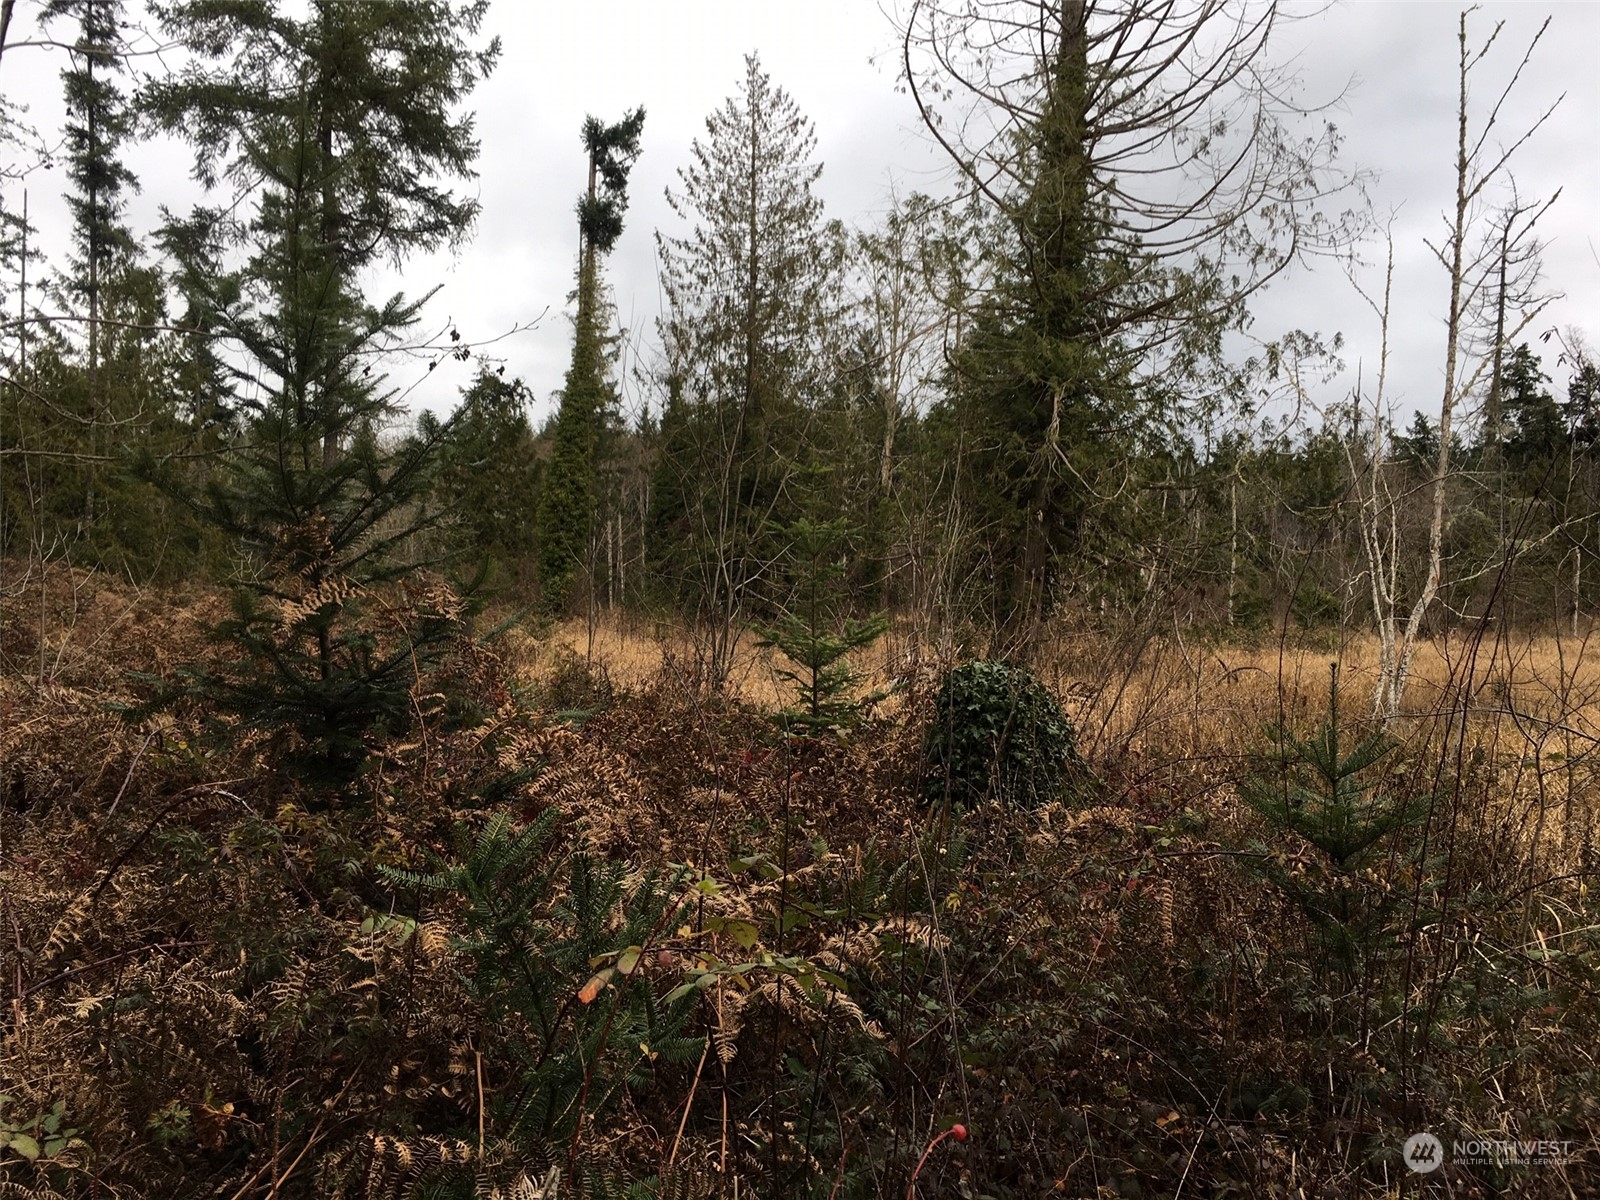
x=838 y=59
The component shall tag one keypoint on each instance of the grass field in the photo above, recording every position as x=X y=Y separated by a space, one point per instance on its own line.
x=1196 y=709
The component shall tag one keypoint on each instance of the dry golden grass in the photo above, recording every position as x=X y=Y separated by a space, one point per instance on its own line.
x=1516 y=717
x=1186 y=712
x=633 y=653
x=1222 y=689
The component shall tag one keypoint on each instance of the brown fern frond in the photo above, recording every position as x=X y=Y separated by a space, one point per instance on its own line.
x=394 y=1162
x=15 y=1191
x=524 y=1188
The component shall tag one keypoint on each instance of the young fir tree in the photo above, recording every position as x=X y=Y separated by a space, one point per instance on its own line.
x=345 y=118
x=814 y=631
x=314 y=531
x=567 y=499
x=1329 y=792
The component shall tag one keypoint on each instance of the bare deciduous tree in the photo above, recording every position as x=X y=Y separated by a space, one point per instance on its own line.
x=1483 y=246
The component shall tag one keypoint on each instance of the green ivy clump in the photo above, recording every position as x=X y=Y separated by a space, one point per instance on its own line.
x=998 y=733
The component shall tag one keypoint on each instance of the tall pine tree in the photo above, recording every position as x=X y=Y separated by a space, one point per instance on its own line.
x=748 y=294
x=96 y=365
x=567 y=499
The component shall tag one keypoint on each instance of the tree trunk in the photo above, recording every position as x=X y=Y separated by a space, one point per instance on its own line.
x=6 y=7
x=1233 y=542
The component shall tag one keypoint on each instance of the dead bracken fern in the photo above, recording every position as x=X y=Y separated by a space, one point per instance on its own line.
x=390 y=1166
x=232 y=987
x=11 y=1190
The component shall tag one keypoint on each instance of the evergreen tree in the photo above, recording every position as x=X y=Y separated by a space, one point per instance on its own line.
x=1535 y=431
x=1046 y=386
x=97 y=368
x=814 y=631
x=1146 y=187
x=346 y=118
x=1330 y=793
x=1529 y=460
x=377 y=88
x=487 y=472
x=1582 y=407
x=567 y=499
x=1419 y=445
x=1582 y=414
x=380 y=86
x=313 y=530
x=99 y=124
x=748 y=292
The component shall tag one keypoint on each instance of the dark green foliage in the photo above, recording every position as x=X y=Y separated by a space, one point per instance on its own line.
x=98 y=370
x=318 y=508
x=1321 y=789
x=570 y=1016
x=1582 y=408
x=487 y=473
x=374 y=91
x=381 y=84
x=1329 y=793
x=1046 y=388
x=1315 y=606
x=343 y=122
x=567 y=498
x=997 y=733
x=612 y=151
x=314 y=503
x=748 y=298
x=1535 y=430
x=99 y=125
x=331 y=678
x=823 y=678
x=813 y=629
x=1419 y=445
x=79 y=422
x=565 y=512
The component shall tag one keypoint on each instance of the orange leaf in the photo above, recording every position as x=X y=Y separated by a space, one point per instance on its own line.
x=595 y=986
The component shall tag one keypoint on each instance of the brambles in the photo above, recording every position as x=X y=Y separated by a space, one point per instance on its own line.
x=997 y=733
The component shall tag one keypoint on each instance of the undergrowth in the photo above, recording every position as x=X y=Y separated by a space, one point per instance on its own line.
x=610 y=940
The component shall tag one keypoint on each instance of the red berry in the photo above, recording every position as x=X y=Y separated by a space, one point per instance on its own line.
x=959 y=1132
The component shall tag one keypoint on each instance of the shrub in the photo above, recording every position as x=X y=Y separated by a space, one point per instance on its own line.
x=996 y=732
